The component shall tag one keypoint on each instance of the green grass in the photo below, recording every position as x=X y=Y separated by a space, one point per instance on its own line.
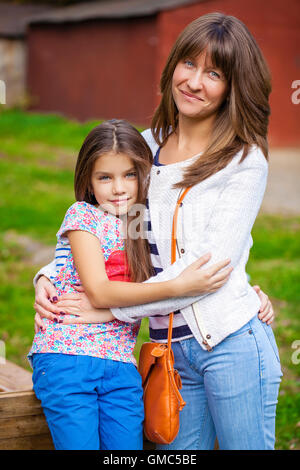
x=275 y=265
x=37 y=159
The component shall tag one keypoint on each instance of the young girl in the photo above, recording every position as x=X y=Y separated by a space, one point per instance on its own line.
x=85 y=375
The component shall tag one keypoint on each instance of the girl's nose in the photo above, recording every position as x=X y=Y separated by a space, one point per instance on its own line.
x=118 y=187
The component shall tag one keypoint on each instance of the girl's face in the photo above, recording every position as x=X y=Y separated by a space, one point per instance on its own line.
x=115 y=183
x=198 y=88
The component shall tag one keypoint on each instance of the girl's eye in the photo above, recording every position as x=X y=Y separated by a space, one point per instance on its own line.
x=132 y=174
x=103 y=178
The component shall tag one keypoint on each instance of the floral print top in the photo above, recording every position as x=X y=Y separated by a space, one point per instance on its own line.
x=112 y=340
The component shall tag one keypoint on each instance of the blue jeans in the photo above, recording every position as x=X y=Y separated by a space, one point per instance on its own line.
x=230 y=393
x=90 y=403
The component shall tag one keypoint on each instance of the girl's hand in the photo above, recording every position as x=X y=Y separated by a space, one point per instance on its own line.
x=80 y=306
x=266 y=312
x=45 y=298
x=195 y=281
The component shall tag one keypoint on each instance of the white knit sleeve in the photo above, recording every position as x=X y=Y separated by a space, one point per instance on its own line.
x=226 y=234
x=48 y=271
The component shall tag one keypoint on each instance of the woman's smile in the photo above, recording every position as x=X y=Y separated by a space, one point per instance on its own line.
x=190 y=96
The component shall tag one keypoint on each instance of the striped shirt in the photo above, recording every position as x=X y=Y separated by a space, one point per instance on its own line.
x=158 y=324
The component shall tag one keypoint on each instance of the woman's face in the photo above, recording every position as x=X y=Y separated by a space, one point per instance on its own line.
x=198 y=87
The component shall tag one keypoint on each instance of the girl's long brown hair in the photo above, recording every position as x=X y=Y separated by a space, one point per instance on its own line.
x=119 y=136
x=242 y=119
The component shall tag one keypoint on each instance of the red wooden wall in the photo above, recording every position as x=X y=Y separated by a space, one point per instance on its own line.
x=111 y=68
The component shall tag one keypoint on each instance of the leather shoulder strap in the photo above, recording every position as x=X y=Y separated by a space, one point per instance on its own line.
x=173 y=253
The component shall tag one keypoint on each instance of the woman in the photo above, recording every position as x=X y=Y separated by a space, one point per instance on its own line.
x=210 y=132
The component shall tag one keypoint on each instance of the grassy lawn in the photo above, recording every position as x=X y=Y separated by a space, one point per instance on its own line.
x=37 y=159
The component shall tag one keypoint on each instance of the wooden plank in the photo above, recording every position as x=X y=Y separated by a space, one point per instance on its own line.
x=40 y=442
x=13 y=377
x=22 y=422
x=21 y=426
x=19 y=404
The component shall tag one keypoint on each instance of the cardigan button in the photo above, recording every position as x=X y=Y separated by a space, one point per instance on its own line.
x=158 y=171
x=208 y=336
x=182 y=250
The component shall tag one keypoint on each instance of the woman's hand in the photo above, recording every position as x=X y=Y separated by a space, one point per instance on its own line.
x=266 y=312
x=38 y=323
x=196 y=281
x=45 y=298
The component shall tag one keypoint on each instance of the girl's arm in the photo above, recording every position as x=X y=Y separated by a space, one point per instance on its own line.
x=103 y=293
x=225 y=234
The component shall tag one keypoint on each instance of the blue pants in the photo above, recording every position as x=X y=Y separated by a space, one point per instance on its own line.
x=90 y=403
x=231 y=392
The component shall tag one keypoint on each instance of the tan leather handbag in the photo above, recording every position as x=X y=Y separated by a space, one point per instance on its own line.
x=161 y=382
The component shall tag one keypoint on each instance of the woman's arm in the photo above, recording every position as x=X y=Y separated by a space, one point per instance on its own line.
x=48 y=271
x=103 y=293
x=225 y=234
x=81 y=310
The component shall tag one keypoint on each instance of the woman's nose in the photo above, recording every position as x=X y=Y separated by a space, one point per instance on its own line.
x=195 y=81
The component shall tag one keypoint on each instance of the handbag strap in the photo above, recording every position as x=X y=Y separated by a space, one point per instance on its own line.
x=173 y=256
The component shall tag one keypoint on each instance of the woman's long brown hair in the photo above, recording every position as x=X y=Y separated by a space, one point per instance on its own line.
x=119 y=136
x=242 y=119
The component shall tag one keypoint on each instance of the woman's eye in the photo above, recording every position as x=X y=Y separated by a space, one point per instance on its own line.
x=189 y=63
x=214 y=74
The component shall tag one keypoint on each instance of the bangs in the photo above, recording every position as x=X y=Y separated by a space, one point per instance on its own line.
x=216 y=43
